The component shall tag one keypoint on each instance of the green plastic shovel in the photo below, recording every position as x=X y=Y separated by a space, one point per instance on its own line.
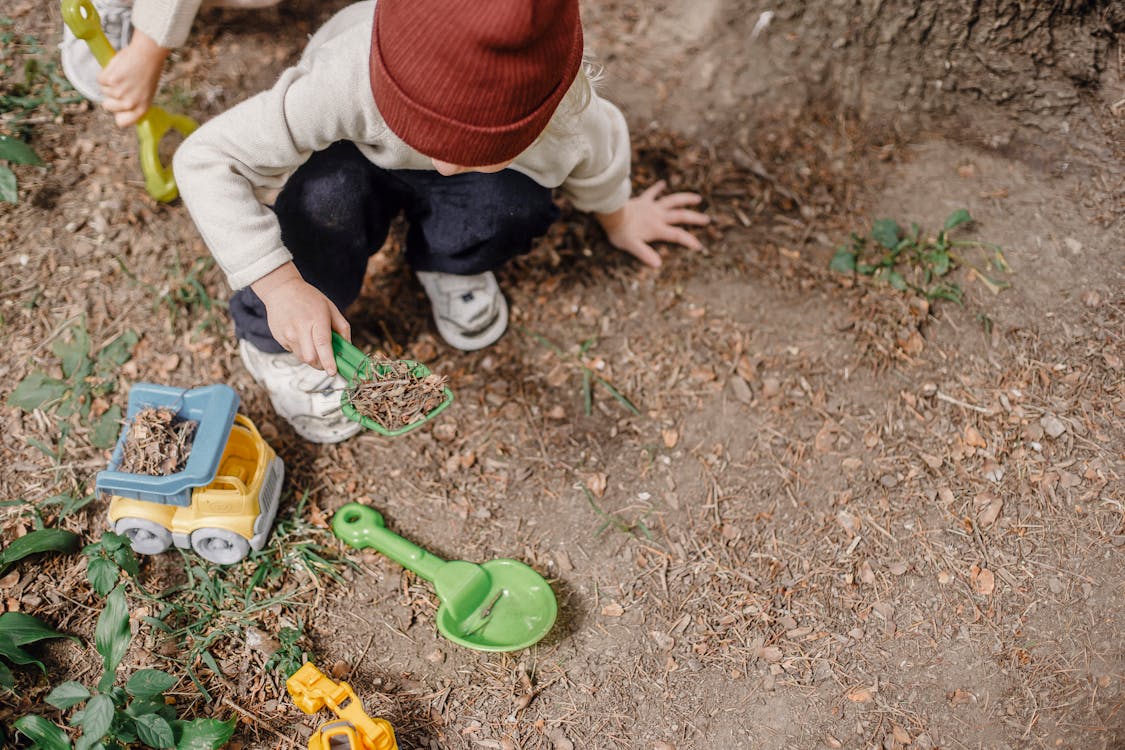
x=154 y=124
x=502 y=605
x=354 y=365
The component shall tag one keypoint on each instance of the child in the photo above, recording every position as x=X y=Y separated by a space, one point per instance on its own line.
x=463 y=116
x=143 y=34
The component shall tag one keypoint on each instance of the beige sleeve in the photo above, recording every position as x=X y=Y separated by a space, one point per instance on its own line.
x=600 y=180
x=166 y=22
x=258 y=143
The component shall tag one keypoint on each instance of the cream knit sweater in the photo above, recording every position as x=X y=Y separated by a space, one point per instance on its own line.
x=166 y=22
x=326 y=98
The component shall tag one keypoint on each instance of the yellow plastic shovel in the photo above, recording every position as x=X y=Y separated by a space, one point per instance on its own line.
x=154 y=124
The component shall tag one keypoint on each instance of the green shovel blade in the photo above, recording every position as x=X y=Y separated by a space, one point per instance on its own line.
x=502 y=605
x=354 y=366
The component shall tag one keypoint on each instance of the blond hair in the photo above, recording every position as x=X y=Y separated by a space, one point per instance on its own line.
x=577 y=98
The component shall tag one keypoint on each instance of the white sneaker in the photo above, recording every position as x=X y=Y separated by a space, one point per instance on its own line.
x=308 y=398
x=78 y=63
x=470 y=311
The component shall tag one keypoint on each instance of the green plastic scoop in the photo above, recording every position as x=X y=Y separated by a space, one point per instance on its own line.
x=154 y=124
x=502 y=605
x=354 y=365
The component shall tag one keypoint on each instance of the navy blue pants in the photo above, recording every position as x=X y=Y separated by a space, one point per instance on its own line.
x=336 y=210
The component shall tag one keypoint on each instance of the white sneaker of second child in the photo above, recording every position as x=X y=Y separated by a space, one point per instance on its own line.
x=470 y=311
x=308 y=398
x=78 y=63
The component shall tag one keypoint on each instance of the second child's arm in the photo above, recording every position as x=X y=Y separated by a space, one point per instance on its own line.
x=130 y=79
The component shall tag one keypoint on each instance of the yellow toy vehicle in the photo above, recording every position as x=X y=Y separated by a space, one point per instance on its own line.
x=224 y=501
x=311 y=691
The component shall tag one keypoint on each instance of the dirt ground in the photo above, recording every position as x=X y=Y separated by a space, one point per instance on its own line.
x=843 y=517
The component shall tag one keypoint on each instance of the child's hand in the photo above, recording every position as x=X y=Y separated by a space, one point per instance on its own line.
x=649 y=218
x=129 y=81
x=300 y=317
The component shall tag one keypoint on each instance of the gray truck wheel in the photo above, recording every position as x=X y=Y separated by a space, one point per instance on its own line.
x=147 y=537
x=219 y=546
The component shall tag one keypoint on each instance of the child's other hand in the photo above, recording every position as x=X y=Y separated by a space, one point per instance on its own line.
x=300 y=317
x=651 y=217
x=129 y=81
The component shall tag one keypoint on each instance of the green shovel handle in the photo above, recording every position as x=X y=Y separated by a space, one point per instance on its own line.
x=153 y=126
x=349 y=360
x=361 y=527
x=84 y=21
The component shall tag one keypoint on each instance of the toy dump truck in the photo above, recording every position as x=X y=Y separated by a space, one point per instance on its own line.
x=222 y=504
x=312 y=691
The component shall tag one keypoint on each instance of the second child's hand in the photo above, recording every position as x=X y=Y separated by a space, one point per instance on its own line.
x=300 y=317
x=651 y=217
x=130 y=79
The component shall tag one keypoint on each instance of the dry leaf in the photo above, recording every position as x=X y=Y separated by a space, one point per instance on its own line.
x=596 y=483
x=984 y=582
x=974 y=438
x=826 y=437
x=866 y=574
x=850 y=523
x=613 y=609
x=932 y=461
x=988 y=516
x=860 y=695
x=960 y=697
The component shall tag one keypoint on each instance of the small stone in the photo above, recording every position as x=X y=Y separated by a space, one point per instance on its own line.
x=1052 y=425
x=256 y=640
x=445 y=431
x=740 y=389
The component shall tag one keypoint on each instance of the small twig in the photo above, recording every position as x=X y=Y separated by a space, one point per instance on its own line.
x=957 y=402
x=259 y=723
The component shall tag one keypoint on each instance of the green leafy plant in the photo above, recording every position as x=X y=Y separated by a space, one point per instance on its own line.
x=106 y=558
x=590 y=376
x=612 y=520
x=216 y=606
x=31 y=78
x=69 y=502
x=184 y=295
x=290 y=656
x=17 y=630
x=31 y=81
x=86 y=374
x=112 y=717
x=13 y=151
x=909 y=260
x=40 y=540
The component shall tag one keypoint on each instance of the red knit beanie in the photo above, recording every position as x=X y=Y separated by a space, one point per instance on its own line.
x=472 y=83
